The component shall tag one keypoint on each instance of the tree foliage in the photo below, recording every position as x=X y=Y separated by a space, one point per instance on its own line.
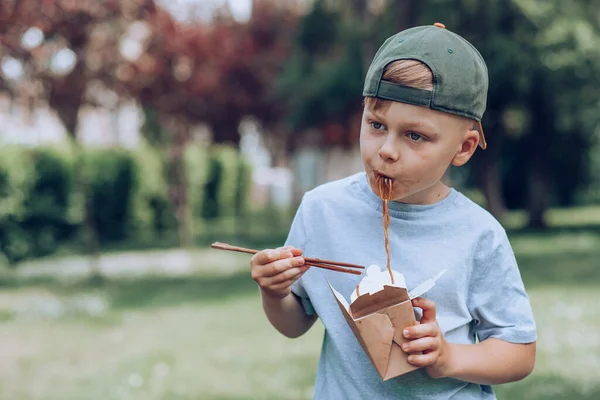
x=543 y=58
x=67 y=50
x=544 y=62
x=180 y=73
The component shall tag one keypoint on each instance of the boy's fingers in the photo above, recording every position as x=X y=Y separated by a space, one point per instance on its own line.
x=294 y=250
x=267 y=256
x=287 y=278
x=279 y=266
x=428 y=307
x=418 y=345
x=285 y=248
x=287 y=275
x=420 y=330
x=286 y=284
x=422 y=360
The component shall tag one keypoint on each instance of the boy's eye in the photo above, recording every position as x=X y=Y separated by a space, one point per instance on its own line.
x=415 y=136
x=377 y=125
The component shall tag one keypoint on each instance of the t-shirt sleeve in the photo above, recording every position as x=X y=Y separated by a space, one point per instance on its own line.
x=498 y=301
x=297 y=237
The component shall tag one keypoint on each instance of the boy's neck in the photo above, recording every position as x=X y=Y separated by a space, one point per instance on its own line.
x=436 y=193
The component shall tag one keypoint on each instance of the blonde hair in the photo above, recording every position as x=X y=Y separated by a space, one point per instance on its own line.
x=411 y=73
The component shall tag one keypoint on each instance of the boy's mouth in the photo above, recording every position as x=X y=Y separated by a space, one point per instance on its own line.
x=384 y=185
x=379 y=175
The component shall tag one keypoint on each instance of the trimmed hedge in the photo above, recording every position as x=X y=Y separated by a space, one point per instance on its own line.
x=111 y=179
x=42 y=201
x=16 y=179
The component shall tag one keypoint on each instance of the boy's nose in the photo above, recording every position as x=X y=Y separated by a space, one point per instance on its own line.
x=389 y=151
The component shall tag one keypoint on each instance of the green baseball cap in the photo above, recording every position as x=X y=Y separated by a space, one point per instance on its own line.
x=460 y=76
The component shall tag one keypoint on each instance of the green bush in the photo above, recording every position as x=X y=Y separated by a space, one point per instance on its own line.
x=221 y=191
x=110 y=183
x=153 y=214
x=244 y=188
x=43 y=195
x=211 y=209
x=16 y=178
x=197 y=165
x=227 y=188
x=49 y=202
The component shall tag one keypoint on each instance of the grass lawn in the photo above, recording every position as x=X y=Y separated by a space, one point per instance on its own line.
x=202 y=335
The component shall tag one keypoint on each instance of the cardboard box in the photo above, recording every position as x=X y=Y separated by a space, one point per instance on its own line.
x=377 y=320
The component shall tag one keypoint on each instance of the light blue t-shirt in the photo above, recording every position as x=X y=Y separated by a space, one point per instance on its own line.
x=481 y=294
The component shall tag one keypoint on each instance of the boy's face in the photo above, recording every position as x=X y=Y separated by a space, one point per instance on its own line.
x=414 y=146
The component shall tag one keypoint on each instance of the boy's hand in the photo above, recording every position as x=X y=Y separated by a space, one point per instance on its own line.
x=426 y=337
x=276 y=270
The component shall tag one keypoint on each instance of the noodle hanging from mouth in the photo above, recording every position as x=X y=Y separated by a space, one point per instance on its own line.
x=385 y=192
x=384 y=186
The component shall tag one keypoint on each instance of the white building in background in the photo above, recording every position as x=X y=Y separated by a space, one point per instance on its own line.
x=97 y=126
x=205 y=10
x=18 y=125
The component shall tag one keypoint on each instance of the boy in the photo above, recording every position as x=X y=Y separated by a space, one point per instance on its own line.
x=425 y=94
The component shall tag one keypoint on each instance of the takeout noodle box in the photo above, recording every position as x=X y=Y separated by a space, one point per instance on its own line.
x=377 y=320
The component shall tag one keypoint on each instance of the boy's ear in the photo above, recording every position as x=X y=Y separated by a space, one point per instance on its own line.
x=467 y=148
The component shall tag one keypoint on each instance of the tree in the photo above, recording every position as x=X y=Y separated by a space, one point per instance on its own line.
x=541 y=56
x=215 y=74
x=181 y=74
x=67 y=51
x=563 y=102
x=322 y=81
x=67 y=48
x=494 y=28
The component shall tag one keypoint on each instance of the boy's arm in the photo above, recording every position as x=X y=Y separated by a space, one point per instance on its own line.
x=287 y=315
x=490 y=362
x=275 y=271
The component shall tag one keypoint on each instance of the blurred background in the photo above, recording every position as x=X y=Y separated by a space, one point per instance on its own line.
x=134 y=133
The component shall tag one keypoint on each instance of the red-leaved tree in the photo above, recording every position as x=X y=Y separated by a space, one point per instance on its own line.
x=181 y=74
x=214 y=74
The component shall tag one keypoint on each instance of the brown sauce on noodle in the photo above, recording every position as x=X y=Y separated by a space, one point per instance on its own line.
x=385 y=192
x=384 y=186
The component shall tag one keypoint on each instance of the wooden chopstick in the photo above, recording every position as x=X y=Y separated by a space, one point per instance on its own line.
x=338 y=263
x=314 y=262
x=225 y=246
x=334 y=268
